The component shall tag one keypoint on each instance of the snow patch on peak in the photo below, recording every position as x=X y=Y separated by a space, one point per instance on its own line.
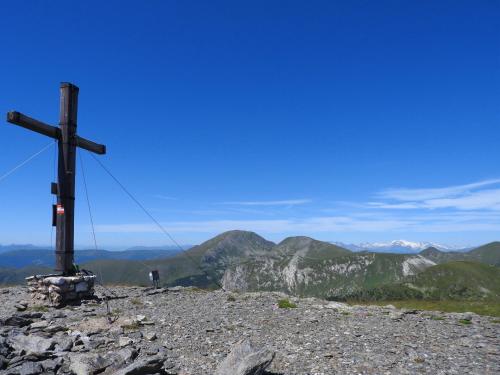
x=402 y=243
x=397 y=246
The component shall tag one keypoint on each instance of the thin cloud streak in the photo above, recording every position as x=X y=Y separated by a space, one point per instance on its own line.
x=457 y=209
x=462 y=198
x=434 y=193
x=449 y=222
x=289 y=202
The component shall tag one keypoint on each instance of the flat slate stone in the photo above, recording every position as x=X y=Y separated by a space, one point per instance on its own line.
x=245 y=359
x=31 y=344
x=143 y=366
x=30 y=368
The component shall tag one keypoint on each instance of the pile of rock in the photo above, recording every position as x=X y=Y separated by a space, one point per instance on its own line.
x=59 y=290
x=40 y=343
x=186 y=331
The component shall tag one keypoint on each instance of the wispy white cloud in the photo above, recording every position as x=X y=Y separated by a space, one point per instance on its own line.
x=434 y=193
x=288 y=202
x=394 y=206
x=456 y=209
x=462 y=197
x=484 y=199
x=449 y=222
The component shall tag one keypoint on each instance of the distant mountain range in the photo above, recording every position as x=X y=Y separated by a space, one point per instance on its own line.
x=13 y=247
x=32 y=256
x=240 y=260
x=399 y=247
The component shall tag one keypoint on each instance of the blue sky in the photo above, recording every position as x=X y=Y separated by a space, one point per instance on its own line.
x=346 y=121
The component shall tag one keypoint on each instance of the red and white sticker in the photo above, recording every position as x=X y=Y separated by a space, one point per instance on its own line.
x=60 y=209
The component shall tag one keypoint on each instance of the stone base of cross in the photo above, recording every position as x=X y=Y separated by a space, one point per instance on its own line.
x=57 y=291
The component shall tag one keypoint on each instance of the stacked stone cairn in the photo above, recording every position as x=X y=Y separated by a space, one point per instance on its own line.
x=60 y=290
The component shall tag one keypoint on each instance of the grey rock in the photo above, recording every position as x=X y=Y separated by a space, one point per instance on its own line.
x=4 y=350
x=39 y=325
x=176 y=289
x=126 y=354
x=119 y=359
x=467 y=316
x=16 y=360
x=143 y=366
x=16 y=321
x=245 y=359
x=396 y=315
x=63 y=344
x=137 y=335
x=31 y=344
x=21 y=306
x=53 y=328
x=125 y=341
x=52 y=364
x=30 y=368
x=85 y=364
x=54 y=315
x=31 y=315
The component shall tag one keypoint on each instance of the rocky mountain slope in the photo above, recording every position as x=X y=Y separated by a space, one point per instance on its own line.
x=326 y=274
x=244 y=260
x=302 y=266
x=190 y=332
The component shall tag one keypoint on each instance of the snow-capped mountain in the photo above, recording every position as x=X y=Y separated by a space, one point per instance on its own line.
x=398 y=246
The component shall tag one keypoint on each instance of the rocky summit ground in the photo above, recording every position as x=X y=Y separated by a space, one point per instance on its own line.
x=188 y=331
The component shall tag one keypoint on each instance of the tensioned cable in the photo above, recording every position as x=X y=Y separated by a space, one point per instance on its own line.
x=95 y=238
x=92 y=220
x=88 y=204
x=155 y=221
x=7 y=174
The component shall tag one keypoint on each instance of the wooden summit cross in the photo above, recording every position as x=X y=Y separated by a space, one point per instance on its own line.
x=68 y=141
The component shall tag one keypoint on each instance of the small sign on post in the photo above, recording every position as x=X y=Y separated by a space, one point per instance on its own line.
x=60 y=209
x=154 y=276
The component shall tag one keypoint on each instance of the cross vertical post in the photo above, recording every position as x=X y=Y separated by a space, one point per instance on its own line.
x=65 y=222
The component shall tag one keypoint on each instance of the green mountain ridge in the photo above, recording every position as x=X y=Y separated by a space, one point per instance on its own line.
x=489 y=254
x=456 y=280
x=241 y=260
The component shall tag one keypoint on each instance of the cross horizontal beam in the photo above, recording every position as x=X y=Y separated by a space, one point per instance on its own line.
x=18 y=118
x=96 y=148
x=26 y=122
